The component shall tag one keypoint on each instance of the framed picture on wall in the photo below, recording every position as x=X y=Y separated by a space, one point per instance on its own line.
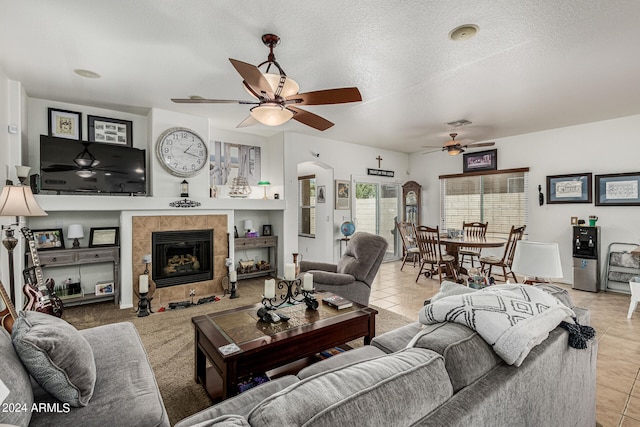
x=480 y=161
x=110 y=131
x=322 y=191
x=573 y=188
x=618 y=189
x=65 y=124
x=343 y=199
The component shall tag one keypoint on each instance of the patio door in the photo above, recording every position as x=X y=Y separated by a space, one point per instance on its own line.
x=376 y=210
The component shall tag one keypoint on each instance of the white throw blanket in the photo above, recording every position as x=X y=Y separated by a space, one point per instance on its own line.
x=511 y=318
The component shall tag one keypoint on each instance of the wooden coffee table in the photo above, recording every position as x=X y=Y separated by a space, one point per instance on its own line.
x=265 y=346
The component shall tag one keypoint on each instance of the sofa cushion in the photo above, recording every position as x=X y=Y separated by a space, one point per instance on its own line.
x=558 y=292
x=239 y=405
x=368 y=387
x=56 y=356
x=223 y=421
x=397 y=339
x=467 y=356
x=126 y=391
x=348 y=357
x=14 y=384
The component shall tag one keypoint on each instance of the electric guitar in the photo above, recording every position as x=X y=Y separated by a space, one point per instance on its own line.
x=40 y=294
x=7 y=316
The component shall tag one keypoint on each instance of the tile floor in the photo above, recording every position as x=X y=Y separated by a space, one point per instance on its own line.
x=618 y=368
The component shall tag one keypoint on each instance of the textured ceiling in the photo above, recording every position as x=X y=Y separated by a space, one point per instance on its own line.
x=533 y=65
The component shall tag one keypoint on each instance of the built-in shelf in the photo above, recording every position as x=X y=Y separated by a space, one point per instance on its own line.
x=266 y=242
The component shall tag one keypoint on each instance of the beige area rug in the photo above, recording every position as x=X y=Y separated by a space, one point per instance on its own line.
x=168 y=338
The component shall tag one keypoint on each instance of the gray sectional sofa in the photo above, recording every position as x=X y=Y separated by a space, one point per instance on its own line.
x=450 y=377
x=97 y=382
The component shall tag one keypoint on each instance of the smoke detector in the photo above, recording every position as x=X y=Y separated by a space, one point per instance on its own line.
x=463 y=32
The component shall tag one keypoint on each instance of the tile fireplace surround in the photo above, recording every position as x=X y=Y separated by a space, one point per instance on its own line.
x=143 y=226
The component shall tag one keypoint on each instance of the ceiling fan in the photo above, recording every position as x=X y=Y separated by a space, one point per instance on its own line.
x=454 y=147
x=276 y=95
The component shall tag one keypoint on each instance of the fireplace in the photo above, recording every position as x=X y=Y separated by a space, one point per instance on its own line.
x=183 y=256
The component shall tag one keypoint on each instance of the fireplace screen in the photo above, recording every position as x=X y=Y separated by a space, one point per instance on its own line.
x=182 y=257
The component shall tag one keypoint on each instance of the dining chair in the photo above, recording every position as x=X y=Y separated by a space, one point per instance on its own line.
x=428 y=240
x=506 y=261
x=471 y=230
x=410 y=250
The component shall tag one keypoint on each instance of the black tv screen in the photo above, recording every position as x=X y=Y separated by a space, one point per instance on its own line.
x=119 y=169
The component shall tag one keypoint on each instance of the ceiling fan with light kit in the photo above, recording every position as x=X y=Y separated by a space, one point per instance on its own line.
x=276 y=95
x=455 y=147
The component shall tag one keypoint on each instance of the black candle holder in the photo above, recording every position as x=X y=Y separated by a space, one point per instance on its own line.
x=144 y=305
x=295 y=295
x=233 y=290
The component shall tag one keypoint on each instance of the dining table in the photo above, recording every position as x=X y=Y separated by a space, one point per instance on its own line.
x=453 y=245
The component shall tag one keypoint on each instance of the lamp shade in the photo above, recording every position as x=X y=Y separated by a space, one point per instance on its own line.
x=75 y=231
x=537 y=259
x=22 y=172
x=18 y=200
x=248 y=224
x=271 y=114
x=264 y=183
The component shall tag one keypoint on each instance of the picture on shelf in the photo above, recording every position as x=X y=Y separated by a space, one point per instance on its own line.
x=104 y=288
x=266 y=230
x=103 y=236
x=48 y=238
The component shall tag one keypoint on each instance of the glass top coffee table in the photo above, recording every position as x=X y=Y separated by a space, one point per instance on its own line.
x=264 y=346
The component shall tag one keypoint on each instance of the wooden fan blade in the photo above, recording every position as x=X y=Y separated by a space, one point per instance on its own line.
x=254 y=78
x=249 y=121
x=480 y=144
x=432 y=151
x=328 y=96
x=310 y=119
x=210 y=101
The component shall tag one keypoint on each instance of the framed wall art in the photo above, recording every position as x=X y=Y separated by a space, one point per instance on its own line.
x=48 y=238
x=480 y=161
x=343 y=200
x=322 y=191
x=573 y=188
x=618 y=189
x=65 y=124
x=104 y=236
x=110 y=131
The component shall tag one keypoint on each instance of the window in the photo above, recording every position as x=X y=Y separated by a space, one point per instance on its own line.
x=499 y=197
x=307 y=206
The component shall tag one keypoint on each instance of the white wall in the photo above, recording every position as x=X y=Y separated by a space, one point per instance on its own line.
x=347 y=160
x=601 y=148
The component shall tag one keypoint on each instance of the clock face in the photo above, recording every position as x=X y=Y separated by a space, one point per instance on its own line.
x=182 y=152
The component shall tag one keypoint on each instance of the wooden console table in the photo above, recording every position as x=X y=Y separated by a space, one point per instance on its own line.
x=70 y=257
x=268 y=242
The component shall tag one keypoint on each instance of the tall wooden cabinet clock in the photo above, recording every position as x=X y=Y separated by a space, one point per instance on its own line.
x=411 y=202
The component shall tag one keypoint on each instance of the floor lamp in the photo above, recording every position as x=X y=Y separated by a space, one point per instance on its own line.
x=17 y=201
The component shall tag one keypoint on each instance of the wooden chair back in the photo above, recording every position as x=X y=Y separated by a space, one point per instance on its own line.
x=428 y=240
x=510 y=249
x=407 y=232
x=475 y=229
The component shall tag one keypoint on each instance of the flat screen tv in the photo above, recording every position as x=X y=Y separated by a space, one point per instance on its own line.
x=79 y=166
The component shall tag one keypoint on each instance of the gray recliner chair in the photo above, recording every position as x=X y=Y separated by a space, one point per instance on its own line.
x=352 y=277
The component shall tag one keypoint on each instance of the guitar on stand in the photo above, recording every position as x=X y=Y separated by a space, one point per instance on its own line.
x=7 y=316
x=40 y=294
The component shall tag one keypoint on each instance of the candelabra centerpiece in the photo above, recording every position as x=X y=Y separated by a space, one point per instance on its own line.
x=297 y=291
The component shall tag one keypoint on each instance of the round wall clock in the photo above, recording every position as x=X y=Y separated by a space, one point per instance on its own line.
x=181 y=151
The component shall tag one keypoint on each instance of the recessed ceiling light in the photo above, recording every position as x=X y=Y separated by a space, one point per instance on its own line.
x=86 y=73
x=463 y=32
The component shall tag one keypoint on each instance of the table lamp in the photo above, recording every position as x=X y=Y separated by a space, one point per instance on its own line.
x=264 y=184
x=16 y=200
x=537 y=261
x=75 y=232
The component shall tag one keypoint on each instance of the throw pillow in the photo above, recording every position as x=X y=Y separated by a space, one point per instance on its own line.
x=448 y=288
x=56 y=356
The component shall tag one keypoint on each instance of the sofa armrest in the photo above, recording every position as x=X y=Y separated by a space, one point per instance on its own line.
x=321 y=266
x=323 y=278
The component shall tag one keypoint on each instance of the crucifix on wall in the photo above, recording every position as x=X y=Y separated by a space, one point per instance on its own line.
x=379 y=159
